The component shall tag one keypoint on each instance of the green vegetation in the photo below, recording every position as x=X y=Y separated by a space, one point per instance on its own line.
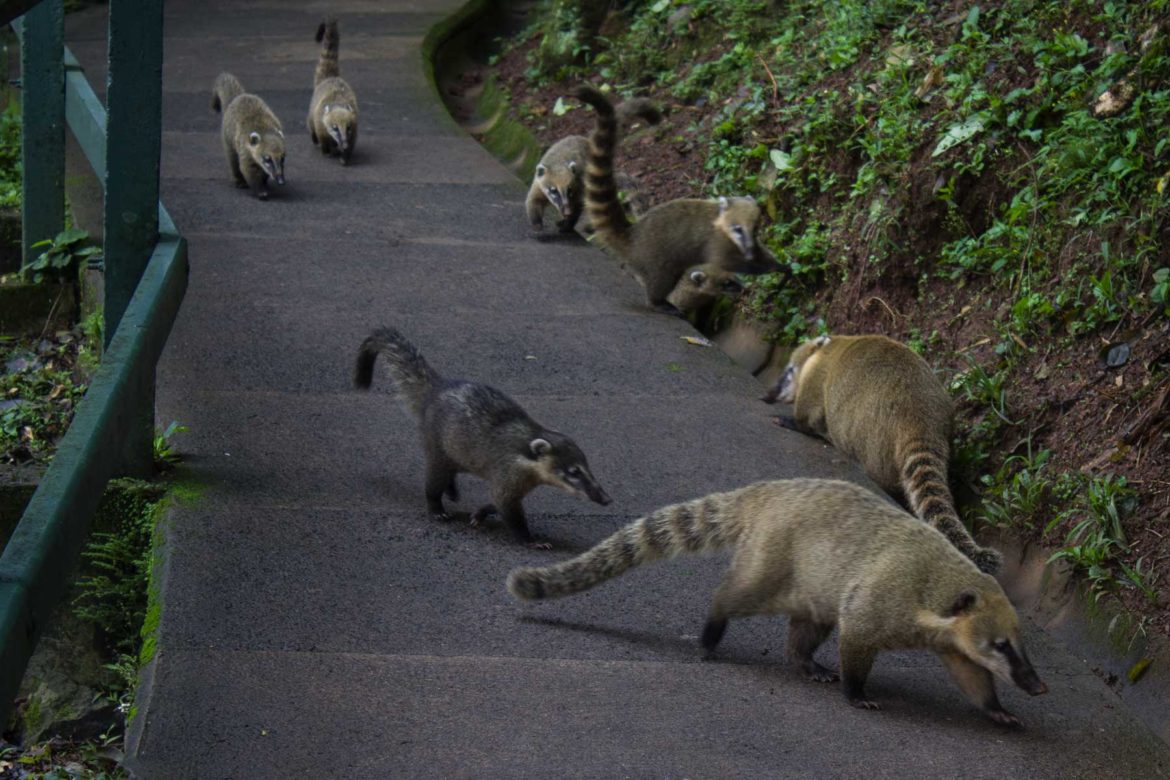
x=39 y=389
x=1005 y=166
x=10 y=164
x=60 y=257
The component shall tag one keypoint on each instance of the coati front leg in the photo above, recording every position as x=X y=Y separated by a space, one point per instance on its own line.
x=804 y=637
x=534 y=207
x=978 y=685
x=257 y=179
x=234 y=164
x=856 y=661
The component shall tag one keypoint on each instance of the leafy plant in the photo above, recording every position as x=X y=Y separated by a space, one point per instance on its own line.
x=61 y=254
x=165 y=455
x=11 y=168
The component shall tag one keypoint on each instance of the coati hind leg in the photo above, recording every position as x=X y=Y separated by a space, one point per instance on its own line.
x=440 y=479
x=978 y=685
x=733 y=598
x=804 y=637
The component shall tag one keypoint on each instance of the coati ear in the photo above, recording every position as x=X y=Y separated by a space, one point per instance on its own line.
x=698 y=277
x=963 y=603
x=253 y=138
x=723 y=203
x=280 y=133
x=540 y=447
x=822 y=340
x=541 y=170
x=573 y=167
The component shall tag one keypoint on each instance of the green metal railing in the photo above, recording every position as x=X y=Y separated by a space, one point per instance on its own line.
x=145 y=279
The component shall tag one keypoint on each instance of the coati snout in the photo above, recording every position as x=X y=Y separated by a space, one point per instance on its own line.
x=269 y=156
x=564 y=466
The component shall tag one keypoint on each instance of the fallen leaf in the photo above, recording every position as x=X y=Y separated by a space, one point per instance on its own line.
x=1138 y=670
x=698 y=341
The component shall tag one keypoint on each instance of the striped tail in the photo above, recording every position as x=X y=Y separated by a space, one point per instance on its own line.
x=924 y=481
x=330 y=41
x=691 y=527
x=601 y=193
x=227 y=88
x=413 y=378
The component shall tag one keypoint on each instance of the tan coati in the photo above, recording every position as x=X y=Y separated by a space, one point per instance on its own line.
x=333 y=111
x=826 y=553
x=252 y=136
x=876 y=400
x=557 y=181
x=702 y=286
x=474 y=428
x=671 y=237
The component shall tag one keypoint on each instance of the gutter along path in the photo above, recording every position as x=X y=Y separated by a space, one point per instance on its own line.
x=317 y=623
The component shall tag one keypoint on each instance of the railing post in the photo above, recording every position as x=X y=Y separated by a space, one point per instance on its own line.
x=42 y=101
x=133 y=145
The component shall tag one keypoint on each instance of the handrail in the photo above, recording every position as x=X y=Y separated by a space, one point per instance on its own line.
x=107 y=434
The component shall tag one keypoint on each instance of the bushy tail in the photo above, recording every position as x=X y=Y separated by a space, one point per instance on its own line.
x=413 y=377
x=226 y=88
x=924 y=481
x=601 y=193
x=691 y=527
x=330 y=41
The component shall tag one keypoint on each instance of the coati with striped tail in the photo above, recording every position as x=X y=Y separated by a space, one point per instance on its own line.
x=826 y=553
x=671 y=237
x=557 y=181
x=701 y=287
x=333 y=111
x=253 y=139
x=474 y=428
x=876 y=400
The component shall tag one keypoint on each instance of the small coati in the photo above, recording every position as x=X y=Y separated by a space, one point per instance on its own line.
x=702 y=286
x=826 y=553
x=671 y=237
x=333 y=111
x=474 y=428
x=557 y=181
x=876 y=400
x=252 y=136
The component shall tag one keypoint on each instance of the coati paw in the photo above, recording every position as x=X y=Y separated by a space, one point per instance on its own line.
x=1004 y=718
x=817 y=673
x=785 y=421
x=262 y=194
x=534 y=545
x=241 y=185
x=865 y=704
x=483 y=513
x=988 y=560
x=669 y=308
x=442 y=517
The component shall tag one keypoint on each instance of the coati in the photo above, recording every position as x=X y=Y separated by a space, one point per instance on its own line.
x=671 y=237
x=876 y=400
x=474 y=428
x=557 y=181
x=826 y=553
x=333 y=111
x=252 y=136
x=702 y=286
